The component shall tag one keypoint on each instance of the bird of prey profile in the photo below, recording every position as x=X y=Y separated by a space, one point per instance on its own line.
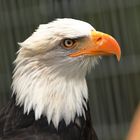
x=50 y=95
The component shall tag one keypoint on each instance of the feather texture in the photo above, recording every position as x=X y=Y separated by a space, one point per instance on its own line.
x=46 y=79
x=14 y=125
x=50 y=95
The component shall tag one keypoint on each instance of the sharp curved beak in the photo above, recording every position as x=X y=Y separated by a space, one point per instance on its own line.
x=99 y=44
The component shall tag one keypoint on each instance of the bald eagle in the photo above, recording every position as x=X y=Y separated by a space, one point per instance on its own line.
x=50 y=95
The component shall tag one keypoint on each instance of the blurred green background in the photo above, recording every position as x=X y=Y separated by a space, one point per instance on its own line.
x=114 y=88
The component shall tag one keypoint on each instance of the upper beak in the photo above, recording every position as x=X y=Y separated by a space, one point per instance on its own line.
x=99 y=44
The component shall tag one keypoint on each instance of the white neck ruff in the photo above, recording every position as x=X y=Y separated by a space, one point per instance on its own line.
x=49 y=94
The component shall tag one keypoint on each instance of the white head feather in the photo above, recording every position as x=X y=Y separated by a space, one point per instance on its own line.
x=46 y=79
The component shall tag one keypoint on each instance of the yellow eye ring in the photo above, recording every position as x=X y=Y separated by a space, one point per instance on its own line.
x=68 y=43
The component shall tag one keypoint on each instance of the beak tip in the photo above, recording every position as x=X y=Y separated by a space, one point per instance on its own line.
x=118 y=55
x=118 y=58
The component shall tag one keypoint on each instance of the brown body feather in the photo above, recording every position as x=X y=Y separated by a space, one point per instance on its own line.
x=14 y=125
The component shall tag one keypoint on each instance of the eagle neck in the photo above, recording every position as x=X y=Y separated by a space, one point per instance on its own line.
x=53 y=95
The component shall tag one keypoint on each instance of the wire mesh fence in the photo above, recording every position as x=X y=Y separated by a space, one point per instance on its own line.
x=113 y=87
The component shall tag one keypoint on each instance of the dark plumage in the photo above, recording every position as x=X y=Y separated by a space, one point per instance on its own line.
x=14 y=125
x=50 y=95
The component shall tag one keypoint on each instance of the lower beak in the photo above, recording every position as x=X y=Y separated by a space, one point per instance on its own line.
x=99 y=44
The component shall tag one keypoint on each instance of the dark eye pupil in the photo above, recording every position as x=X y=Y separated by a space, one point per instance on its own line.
x=68 y=42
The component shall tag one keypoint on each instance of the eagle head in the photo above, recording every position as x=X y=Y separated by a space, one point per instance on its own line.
x=51 y=65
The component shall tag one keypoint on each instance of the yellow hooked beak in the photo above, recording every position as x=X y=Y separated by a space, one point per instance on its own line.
x=99 y=44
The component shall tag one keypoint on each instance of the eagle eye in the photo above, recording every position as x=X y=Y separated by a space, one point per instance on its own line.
x=68 y=43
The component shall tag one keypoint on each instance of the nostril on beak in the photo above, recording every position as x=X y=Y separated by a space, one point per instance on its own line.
x=98 y=39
